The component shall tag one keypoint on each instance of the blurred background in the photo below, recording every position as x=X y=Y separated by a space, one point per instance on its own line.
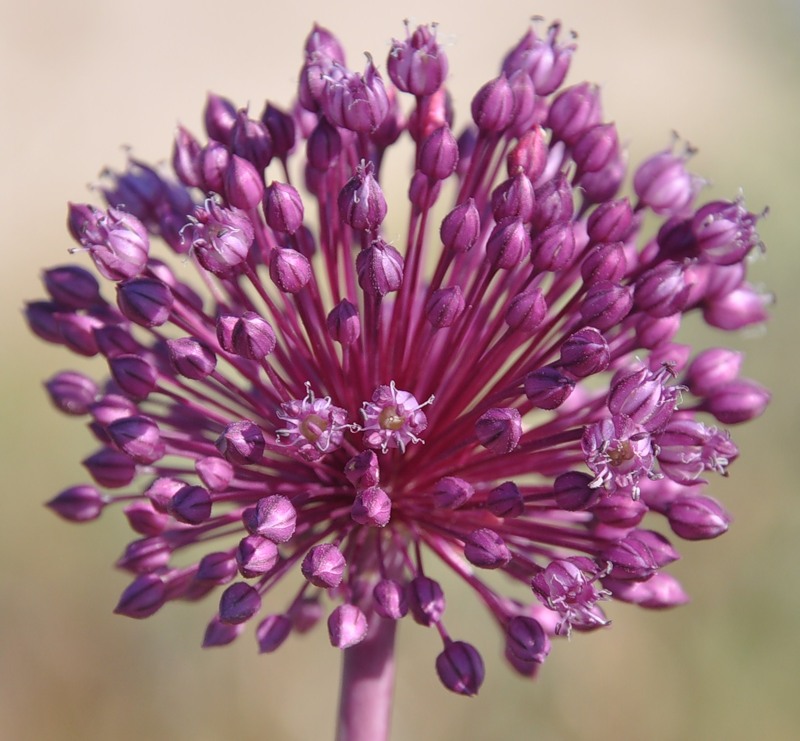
x=78 y=80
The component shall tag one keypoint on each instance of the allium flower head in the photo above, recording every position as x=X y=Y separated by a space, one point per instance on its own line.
x=297 y=394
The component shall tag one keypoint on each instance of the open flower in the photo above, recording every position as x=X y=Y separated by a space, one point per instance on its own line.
x=296 y=398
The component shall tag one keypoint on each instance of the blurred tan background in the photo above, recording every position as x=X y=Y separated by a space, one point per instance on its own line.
x=79 y=80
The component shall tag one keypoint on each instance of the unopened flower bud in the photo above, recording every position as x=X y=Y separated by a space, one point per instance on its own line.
x=362 y=471
x=380 y=269
x=275 y=518
x=142 y=598
x=72 y=286
x=283 y=208
x=272 y=631
x=485 y=549
x=71 y=392
x=110 y=468
x=548 y=387
x=460 y=668
x=78 y=504
x=499 y=430
x=215 y=473
x=493 y=105
x=289 y=270
x=241 y=443
x=239 y=602
x=505 y=500
x=425 y=600
x=697 y=517
x=361 y=202
x=526 y=639
x=737 y=401
x=343 y=323
x=390 y=599
x=461 y=227
x=527 y=310
x=417 y=65
x=372 y=506
x=191 y=504
x=145 y=301
x=452 y=492
x=190 y=358
x=584 y=353
x=249 y=335
x=256 y=556
x=324 y=566
x=438 y=154
x=138 y=437
x=347 y=626
x=444 y=307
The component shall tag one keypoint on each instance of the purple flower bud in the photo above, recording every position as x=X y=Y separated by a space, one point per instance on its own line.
x=249 y=335
x=554 y=204
x=425 y=600
x=145 y=301
x=529 y=155
x=573 y=112
x=697 y=517
x=526 y=639
x=548 y=387
x=138 y=437
x=605 y=262
x=604 y=184
x=134 y=375
x=144 y=520
x=663 y=184
x=344 y=325
x=610 y=221
x=220 y=634
x=461 y=227
x=662 y=290
x=256 y=556
x=554 y=248
x=499 y=430
x=281 y=130
x=545 y=60
x=355 y=102
x=77 y=332
x=271 y=632
x=191 y=504
x=142 y=598
x=146 y=555
x=239 y=602
x=71 y=392
x=347 y=626
x=740 y=308
x=527 y=310
x=191 y=358
x=110 y=468
x=215 y=473
x=361 y=202
x=283 y=208
x=118 y=244
x=423 y=191
x=111 y=407
x=214 y=159
x=444 y=307
x=417 y=65
x=251 y=141
x=452 y=492
x=372 y=506
x=639 y=555
x=72 y=286
x=242 y=443
x=390 y=600
x=493 y=105
x=711 y=369
x=362 y=471
x=460 y=668
x=161 y=491
x=584 y=353
x=42 y=318
x=619 y=510
x=528 y=109
x=737 y=401
x=505 y=500
x=508 y=244
x=438 y=155
x=324 y=566
x=725 y=231
x=485 y=549
x=289 y=270
x=218 y=568
x=275 y=518
x=595 y=148
x=606 y=305
x=244 y=186
x=661 y=590
x=323 y=146
x=305 y=613
x=380 y=269
x=78 y=504
x=574 y=491
x=113 y=340
x=186 y=153
x=219 y=117
x=513 y=199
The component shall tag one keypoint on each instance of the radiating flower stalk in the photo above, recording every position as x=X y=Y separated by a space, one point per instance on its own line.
x=297 y=396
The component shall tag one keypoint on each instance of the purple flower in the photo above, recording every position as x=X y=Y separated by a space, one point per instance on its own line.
x=315 y=400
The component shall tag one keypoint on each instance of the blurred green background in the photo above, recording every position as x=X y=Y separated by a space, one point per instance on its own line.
x=80 y=80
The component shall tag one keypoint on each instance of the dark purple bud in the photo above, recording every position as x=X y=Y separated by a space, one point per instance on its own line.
x=527 y=310
x=362 y=471
x=548 y=387
x=344 y=325
x=289 y=270
x=272 y=631
x=251 y=141
x=218 y=568
x=242 y=443
x=610 y=221
x=249 y=335
x=219 y=117
x=505 y=500
x=275 y=518
x=113 y=340
x=220 y=634
x=380 y=269
x=554 y=204
x=513 y=199
x=77 y=332
x=144 y=520
x=244 y=185
x=42 y=318
x=71 y=392
x=134 y=375
x=737 y=401
x=639 y=555
x=281 y=130
x=658 y=592
x=573 y=491
x=606 y=304
x=111 y=407
x=110 y=468
x=438 y=155
x=323 y=146
x=72 y=287
x=283 y=208
x=460 y=668
x=191 y=504
x=493 y=105
x=361 y=202
x=191 y=358
x=529 y=155
x=256 y=556
x=239 y=602
x=390 y=600
x=662 y=290
x=423 y=191
x=697 y=517
x=595 y=148
x=508 y=244
x=138 y=437
x=452 y=492
x=711 y=369
x=528 y=109
x=573 y=112
x=161 y=491
x=214 y=159
x=425 y=600
x=604 y=262
x=663 y=184
x=499 y=430
x=619 y=510
x=485 y=549
x=186 y=153
x=78 y=503
x=347 y=626
x=417 y=65
x=143 y=597
x=372 y=507
x=526 y=639
x=444 y=307
x=355 y=102
x=554 y=248
x=324 y=566
x=584 y=353
x=145 y=301
x=461 y=227
x=602 y=185
x=145 y=555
